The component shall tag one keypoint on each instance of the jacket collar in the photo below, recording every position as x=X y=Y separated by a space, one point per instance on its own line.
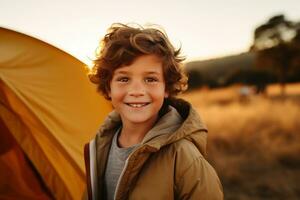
x=180 y=121
x=192 y=128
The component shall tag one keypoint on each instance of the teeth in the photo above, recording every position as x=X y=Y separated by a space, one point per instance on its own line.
x=136 y=105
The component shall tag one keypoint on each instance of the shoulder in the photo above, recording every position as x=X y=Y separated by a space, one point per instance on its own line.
x=186 y=155
x=187 y=150
x=190 y=162
x=194 y=176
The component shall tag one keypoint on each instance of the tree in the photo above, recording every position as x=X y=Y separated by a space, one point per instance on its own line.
x=195 y=79
x=276 y=44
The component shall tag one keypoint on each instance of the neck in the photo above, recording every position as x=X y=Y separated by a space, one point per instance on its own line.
x=132 y=134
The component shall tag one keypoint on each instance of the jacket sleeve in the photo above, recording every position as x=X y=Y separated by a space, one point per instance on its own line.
x=91 y=171
x=199 y=181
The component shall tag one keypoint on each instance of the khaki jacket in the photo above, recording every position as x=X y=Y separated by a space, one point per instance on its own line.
x=168 y=165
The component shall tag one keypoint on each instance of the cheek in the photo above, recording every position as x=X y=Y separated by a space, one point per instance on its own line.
x=116 y=99
x=116 y=93
x=159 y=93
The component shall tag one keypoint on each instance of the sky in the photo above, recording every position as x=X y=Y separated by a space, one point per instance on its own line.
x=203 y=29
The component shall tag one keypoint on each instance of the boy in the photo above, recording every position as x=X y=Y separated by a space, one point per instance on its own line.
x=152 y=145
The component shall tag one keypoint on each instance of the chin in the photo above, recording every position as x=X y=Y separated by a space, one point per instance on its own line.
x=138 y=119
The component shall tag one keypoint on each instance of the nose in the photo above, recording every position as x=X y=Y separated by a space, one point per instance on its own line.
x=136 y=89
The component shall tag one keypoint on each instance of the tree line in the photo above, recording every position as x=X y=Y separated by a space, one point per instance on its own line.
x=276 y=49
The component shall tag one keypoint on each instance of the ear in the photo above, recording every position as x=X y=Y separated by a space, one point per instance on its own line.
x=166 y=94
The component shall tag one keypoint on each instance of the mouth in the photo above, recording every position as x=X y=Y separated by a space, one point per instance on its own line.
x=137 y=105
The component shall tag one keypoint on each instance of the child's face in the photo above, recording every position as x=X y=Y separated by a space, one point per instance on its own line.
x=138 y=90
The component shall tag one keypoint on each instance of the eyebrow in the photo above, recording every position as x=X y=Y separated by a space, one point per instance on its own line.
x=152 y=72
x=121 y=72
x=147 y=72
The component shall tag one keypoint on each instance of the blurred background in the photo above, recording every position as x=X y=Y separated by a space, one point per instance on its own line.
x=243 y=62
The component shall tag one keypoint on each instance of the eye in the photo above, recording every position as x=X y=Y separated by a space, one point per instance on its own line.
x=123 y=79
x=151 y=80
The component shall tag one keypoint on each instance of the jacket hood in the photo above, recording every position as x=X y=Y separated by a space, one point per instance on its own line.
x=180 y=121
x=192 y=128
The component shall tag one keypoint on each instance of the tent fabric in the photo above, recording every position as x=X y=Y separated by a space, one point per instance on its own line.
x=50 y=108
x=24 y=182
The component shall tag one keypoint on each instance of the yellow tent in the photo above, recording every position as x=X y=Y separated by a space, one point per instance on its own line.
x=48 y=111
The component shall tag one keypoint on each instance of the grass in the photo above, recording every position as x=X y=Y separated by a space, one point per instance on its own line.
x=253 y=143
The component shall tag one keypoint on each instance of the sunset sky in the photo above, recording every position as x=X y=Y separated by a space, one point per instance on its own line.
x=205 y=29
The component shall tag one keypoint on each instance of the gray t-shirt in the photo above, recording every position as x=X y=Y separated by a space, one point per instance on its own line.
x=115 y=164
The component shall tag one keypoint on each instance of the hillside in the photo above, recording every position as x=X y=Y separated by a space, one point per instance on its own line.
x=217 y=71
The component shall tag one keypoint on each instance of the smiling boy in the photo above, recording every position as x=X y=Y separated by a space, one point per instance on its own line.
x=152 y=145
x=137 y=94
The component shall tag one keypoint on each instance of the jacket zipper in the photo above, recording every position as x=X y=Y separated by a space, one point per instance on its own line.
x=123 y=171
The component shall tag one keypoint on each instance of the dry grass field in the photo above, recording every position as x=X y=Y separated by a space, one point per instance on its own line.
x=254 y=142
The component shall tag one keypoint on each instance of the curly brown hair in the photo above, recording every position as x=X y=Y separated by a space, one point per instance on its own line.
x=124 y=43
